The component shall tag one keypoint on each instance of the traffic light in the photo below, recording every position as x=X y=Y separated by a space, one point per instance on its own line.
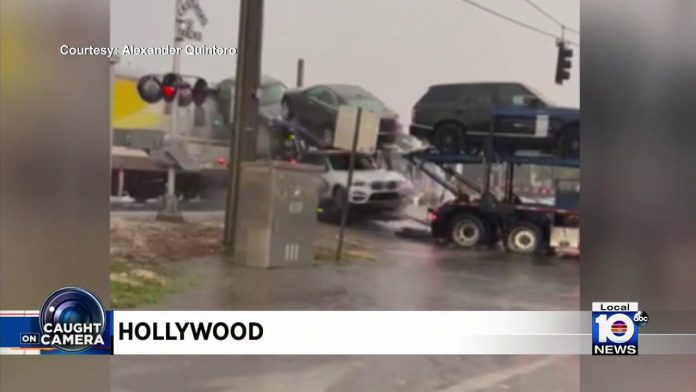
x=170 y=86
x=150 y=89
x=200 y=91
x=563 y=63
x=185 y=94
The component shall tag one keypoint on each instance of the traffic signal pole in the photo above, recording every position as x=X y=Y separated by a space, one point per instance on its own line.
x=170 y=209
x=243 y=146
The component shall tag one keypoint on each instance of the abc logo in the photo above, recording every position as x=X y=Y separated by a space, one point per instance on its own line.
x=641 y=318
x=617 y=328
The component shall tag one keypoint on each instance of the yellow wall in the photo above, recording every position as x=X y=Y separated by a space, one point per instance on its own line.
x=130 y=111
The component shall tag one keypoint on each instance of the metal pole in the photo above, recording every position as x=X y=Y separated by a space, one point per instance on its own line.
x=245 y=107
x=487 y=198
x=170 y=210
x=121 y=181
x=510 y=182
x=488 y=160
x=346 y=198
x=112 y=78
x=300 y=73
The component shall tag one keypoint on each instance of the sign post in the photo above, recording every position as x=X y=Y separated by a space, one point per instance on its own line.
x=183 y=29
x=346 y=196
x=356 y=130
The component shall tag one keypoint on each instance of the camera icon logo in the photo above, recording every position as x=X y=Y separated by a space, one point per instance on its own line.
x=72 y=319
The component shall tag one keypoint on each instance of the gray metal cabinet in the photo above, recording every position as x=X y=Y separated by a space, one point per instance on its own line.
x=277 y=214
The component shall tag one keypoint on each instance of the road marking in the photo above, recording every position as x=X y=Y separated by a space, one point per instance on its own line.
x=491 y=379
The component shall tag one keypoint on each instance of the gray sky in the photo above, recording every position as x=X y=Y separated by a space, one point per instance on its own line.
x=394 y=48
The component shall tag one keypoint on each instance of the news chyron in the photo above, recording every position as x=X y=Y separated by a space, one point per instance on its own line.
x=615 y=327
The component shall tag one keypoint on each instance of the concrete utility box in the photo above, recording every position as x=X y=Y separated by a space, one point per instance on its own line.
x=277 y=214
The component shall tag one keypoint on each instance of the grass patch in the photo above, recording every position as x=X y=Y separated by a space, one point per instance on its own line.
x=136 y=284
x=326 y=254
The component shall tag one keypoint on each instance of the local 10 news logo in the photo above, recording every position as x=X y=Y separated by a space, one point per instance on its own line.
x=615 y=327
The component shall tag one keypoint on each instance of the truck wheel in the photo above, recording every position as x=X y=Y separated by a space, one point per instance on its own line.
x=569 y=143
x=468 y=231
x=524 y=238
x=449 y=137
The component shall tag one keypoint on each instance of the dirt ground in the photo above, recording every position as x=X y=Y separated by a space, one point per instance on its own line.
x=159 y=242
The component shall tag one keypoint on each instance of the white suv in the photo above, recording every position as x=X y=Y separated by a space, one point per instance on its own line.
x=373 y=188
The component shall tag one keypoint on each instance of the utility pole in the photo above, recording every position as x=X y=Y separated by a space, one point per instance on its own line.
x=300 y=73
x=170 y=210
x=112 y=78
x=245 y=108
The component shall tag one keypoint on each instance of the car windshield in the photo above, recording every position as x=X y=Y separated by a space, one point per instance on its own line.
x=357 y=96
x=366 y=103
x=342 y=162
x=272 y=93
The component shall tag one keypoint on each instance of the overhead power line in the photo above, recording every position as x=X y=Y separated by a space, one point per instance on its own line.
x=548 y=15
x=517 y=22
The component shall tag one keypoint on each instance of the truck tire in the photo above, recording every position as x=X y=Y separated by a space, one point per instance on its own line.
x=569 y=142
x=524 y=238
x=449 y=137
x=468 y=231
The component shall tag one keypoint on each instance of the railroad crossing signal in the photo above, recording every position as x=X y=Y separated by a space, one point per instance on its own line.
x=185 y=94
x=200 y=91
x=150 y=89
x=564 y=63
x=184 y=30
x=172 y=86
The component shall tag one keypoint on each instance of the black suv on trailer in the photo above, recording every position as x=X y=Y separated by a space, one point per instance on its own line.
x=457 y=117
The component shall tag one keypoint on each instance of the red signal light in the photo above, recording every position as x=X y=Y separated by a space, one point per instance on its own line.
x=170 y=85
x=169 y=91
x=221 y=161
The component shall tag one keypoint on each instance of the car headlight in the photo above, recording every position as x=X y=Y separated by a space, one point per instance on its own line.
x=359 y=183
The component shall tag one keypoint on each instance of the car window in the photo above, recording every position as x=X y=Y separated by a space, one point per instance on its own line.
x=513 y=95
x=323 y=95
x=443 y=94
x=477 y=95
x=342 y=162
x=272 y=93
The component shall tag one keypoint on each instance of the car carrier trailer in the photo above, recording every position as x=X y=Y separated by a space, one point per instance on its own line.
x=486 y=221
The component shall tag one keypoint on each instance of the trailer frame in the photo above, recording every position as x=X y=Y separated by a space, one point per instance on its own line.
x=491 y=219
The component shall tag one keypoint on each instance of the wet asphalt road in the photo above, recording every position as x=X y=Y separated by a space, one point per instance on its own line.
x=410 y=273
